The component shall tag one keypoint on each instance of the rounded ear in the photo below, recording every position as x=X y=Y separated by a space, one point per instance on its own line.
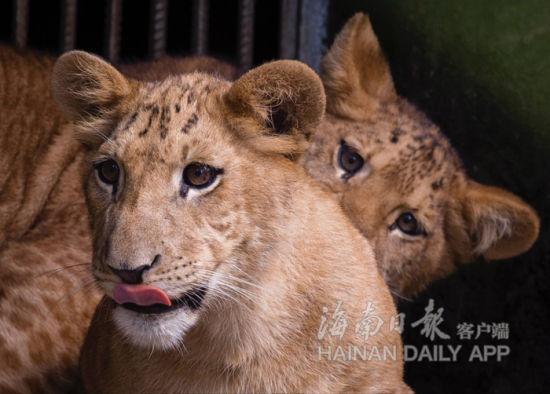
x=88 y=91
x=501 y=224
x=276 y=106
x=355 y=72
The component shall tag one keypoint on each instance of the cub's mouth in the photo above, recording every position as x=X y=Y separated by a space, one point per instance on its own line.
x=149 y=300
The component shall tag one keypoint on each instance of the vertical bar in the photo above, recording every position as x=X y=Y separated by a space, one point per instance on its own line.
x=21 y=23
x=112 y=31
x=157 y=32
x=246 y=34
x=313 y=29
x=200 y=26
x=289 y=29
x=68 y=25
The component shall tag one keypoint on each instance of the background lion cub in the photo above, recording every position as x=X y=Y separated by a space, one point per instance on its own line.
x=399 y=179
x=219 y=256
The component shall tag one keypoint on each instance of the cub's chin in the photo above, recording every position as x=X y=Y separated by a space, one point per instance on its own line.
x=159 y=331
x=147 y=318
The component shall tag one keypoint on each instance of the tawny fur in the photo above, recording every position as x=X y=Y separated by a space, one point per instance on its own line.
x=46 y=293
x=409 y=167
x=271 y=247
x=43 y=228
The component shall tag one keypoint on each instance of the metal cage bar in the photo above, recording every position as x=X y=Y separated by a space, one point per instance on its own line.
x=313 y=17
x=200 y=26
x=68 y=25
x=289 y=29
x=157 y=31
x=246 y=34
x=302 y=28
x=21 y=23
x=112 y=30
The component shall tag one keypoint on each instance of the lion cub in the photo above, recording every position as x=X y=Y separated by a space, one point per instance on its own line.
x=399 y=179
x=221 y=260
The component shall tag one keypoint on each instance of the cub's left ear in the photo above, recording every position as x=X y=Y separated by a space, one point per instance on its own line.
x=500 y=223
x=275 y=107
x=355 y=72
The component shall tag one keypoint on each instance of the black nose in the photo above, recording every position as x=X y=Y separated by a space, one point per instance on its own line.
x=134 y=276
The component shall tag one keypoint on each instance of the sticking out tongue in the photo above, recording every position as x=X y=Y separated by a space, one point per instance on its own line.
x=143 y=295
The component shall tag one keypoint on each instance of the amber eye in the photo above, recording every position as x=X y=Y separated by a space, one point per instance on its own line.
x=349 y=160
x=407 y=223
x=200 y=175
x=108 y=172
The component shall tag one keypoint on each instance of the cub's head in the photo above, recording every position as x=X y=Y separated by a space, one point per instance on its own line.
x=398 y=178
x=187 y=182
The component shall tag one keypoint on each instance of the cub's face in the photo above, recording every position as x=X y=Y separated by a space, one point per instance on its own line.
x=398 y=178
x=393 y=173
x=167 y=191
x=185 y=179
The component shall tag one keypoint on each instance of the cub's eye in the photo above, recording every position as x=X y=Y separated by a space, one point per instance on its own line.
x=349 y=160
x=108 y=172
x=407 y=223
x=200 y=175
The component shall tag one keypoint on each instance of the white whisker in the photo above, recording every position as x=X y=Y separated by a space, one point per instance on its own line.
x=60 y=269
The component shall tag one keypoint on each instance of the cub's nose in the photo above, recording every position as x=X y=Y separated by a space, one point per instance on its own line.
x=134 y=276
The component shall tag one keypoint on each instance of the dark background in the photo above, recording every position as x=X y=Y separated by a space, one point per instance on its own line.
x=45 y=27
x=480 y=70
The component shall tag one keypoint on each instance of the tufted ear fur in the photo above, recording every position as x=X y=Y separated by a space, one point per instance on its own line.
x=355 y=72
x=501 y=224
x=275 y=107
x=88 y=90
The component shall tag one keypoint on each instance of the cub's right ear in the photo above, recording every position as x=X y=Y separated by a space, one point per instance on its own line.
x=88 y=90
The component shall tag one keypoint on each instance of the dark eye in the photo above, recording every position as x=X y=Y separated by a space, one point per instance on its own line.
x=199 y=175
x=108 y=172
x=407 y=223
x=349 y=160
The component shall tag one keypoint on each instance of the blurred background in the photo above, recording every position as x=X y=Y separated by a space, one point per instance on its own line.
x=479 y=69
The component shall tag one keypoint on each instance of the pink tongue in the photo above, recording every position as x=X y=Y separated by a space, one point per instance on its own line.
x=143 y=295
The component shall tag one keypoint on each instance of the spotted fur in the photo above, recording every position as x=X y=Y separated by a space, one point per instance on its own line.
x=409 y=167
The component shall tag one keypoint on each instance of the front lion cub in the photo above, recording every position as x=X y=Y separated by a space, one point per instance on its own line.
x=225 y=268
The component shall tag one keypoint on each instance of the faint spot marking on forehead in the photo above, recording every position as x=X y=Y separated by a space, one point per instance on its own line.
x=179 y=98
x=421 y=154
